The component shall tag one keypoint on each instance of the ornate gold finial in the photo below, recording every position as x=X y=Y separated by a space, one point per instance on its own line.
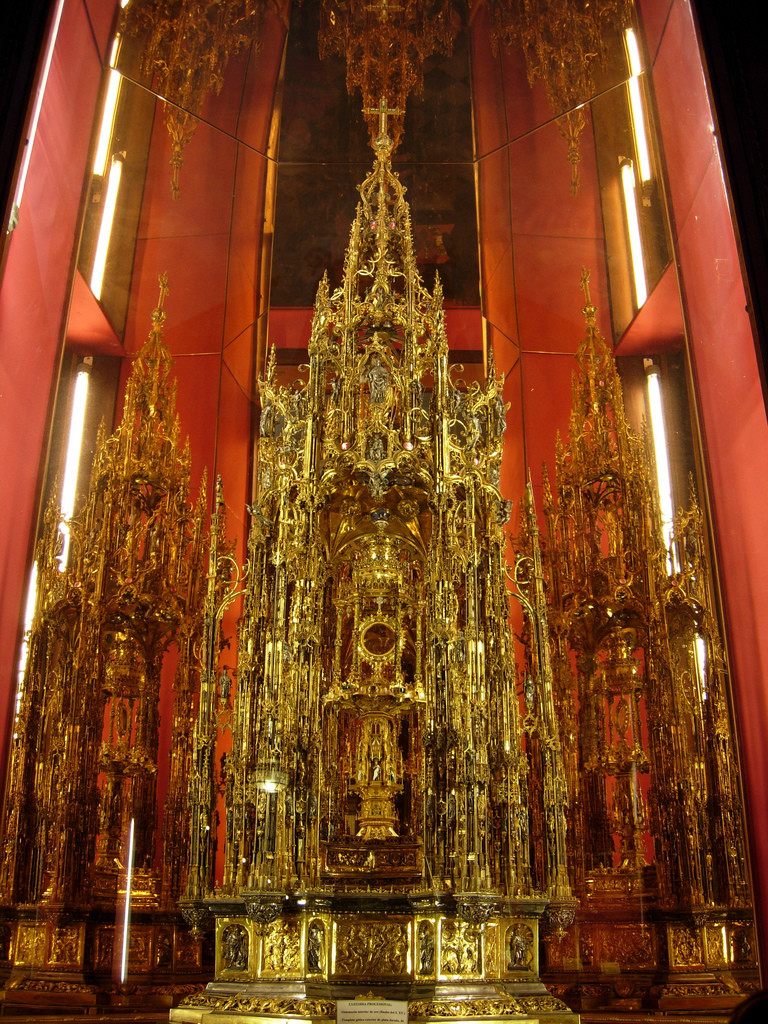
x=589 y=310
x=158 y=313
x=563 y=43
x=385 y=55
x=185 y=45
x=383 y=143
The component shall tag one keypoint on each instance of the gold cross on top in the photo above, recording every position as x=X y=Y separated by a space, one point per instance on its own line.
x=384 y=111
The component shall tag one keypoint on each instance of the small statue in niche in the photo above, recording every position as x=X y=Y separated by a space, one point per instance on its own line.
x=474 y=431
x=520 y=942
x=460 y=648
x=225 y=683
x=267 y=421
x=500 y=419
x=376 y=448
x=234 y=947
x=315 y=952
x=378 y=379
x=426 y=948
x=164 y=954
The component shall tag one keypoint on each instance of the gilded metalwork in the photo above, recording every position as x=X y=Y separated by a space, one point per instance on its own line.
x=565 y=44
x=382 y=792
x=520 y=948
x=282 y=948
x=640 y=690
x=385 y=45
x=84 y=758
x=371 y=949
x=459 y=949
x=184 y=49
x=234 y=947
x=374 y=626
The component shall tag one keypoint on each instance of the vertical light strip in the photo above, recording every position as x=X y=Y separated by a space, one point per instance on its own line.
x=633 y=230
x=663 y=480
x=105 y=231
x=127 y=911
x=36 y=112
x=636 y=106
x=29 y=612
x=108 y=115
x=700 y=657
x=72 y=463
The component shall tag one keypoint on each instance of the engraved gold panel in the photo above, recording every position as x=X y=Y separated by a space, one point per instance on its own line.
x=281 y=949
x=235 y=949
x=460 y=950
x=66 y=946
x=686 y=946
x=31 y=945
x=370 y=949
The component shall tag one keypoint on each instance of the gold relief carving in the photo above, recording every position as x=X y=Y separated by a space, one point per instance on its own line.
x=686 y=946
x=234 y=948
x=491 y=951
x=164 y=948
x=520 y=949
x=282 y=948
x=302 y=1008
x=30 y=945
x=742 y=943
x=426 y=934
x=187 y=950
x=683 y=991
x=140 y=949
x=6 y=942
x=459 y=949
x=357 y=860
x=628 y=945
x=65 y=946
x=316 y=948
x=715 y=940
x=554 y=956
x=587 y=948
x=105 y=945
x=371 y=949
x=512 y=1006
x=45 y=985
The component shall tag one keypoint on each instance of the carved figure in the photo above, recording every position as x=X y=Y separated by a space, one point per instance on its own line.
x=225 y=683
x=315 y=951
x=426 y=948
x=519 y=950
x=378 y=379
x=234 y=947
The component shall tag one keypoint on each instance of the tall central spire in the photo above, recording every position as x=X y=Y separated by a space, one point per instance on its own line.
x=386 y=811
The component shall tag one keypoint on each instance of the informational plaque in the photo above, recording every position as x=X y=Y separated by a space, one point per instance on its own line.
x=372 y=1011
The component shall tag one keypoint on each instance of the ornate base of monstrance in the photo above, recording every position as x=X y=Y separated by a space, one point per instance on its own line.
x=471 y=957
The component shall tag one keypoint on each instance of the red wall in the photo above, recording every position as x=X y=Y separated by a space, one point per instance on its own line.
x=535 y=237
x=731 y=406
x=34 y=293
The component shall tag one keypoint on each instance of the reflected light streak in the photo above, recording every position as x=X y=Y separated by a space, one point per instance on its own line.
x=663 y=479
x=36 y=113
x=108 y=116
x=105 y=231
x=636 y=105
x=72 y=463
x=633 y=229
x=127 y=912
x=29 y=612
